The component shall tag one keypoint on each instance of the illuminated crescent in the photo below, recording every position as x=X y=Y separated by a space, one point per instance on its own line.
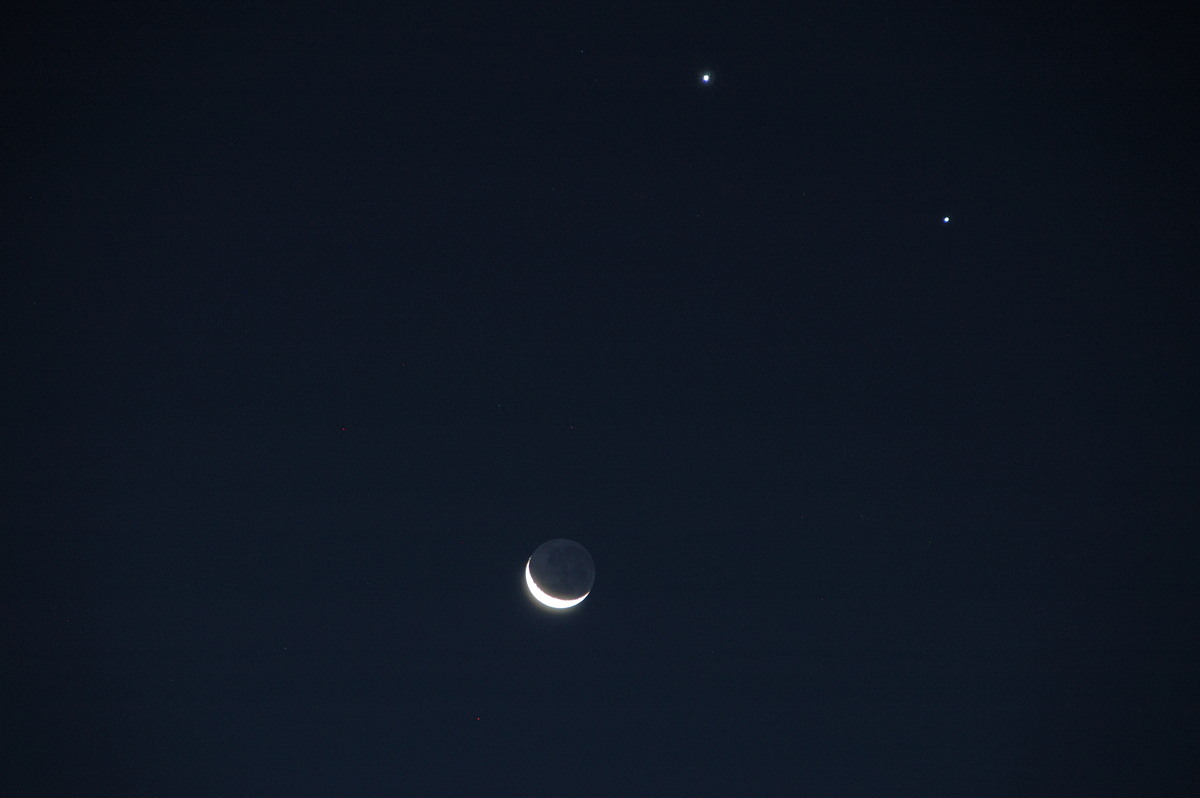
x=546 y=598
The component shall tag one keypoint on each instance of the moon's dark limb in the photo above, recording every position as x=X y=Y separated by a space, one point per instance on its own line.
x=563 y=569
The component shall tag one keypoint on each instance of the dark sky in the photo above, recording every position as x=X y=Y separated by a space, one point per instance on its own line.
x=319 y=319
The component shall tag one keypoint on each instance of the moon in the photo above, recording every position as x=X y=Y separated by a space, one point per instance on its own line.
x=560 y=573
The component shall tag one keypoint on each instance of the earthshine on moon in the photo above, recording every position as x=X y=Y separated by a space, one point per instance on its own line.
x=560 y=573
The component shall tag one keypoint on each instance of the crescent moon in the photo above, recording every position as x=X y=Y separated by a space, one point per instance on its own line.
x=545 y=598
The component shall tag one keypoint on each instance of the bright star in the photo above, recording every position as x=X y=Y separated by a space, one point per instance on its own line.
x=706 y=77
x=945 y=220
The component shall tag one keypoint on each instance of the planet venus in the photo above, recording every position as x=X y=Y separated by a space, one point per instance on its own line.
x=560 y=573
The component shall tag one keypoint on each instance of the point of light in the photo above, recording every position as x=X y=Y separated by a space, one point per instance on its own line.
x=706 y=77
x=945 y=220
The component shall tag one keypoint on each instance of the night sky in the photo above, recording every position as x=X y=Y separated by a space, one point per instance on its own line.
x=319 y=319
